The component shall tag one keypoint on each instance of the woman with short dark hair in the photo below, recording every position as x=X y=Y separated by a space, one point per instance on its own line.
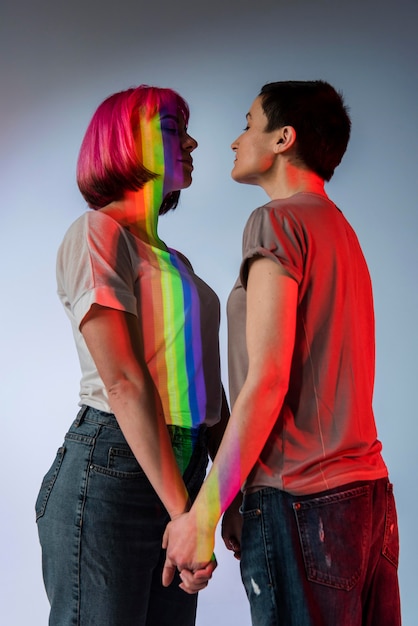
x=317 y=531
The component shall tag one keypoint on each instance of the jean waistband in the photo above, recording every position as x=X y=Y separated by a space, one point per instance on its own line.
x=108 y=419
x=95 y=415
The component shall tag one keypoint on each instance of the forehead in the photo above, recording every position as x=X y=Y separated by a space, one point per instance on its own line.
x=169 y=110
x=169 y=107
x=256 y=110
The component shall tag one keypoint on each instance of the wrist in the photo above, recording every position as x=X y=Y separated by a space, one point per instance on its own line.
x=177 y=501
x=179 y=510
x=206 y=510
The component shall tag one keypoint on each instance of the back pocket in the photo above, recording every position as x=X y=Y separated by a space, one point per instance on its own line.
x=47 y=483
x=333 y=532
x=391 y=539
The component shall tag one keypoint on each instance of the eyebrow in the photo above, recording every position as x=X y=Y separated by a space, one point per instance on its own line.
x=248 y=115
x=170 y=117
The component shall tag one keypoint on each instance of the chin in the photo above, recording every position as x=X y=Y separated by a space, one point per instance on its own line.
x=182 y=184
x=237 y=178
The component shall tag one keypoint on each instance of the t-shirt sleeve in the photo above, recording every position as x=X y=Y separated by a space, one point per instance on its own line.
x=94 y=267
x=271 y=233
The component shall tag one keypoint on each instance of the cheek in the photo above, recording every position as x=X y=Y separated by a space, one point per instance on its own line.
x=255 y=158
x=263 y=157
x=266 y=161
x=152 y=147
x=171 y=156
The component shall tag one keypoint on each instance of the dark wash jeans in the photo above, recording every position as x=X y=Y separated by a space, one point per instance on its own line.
x=101 y=524
x=327 y=559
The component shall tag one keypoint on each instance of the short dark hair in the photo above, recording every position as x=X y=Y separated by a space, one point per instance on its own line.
x=319 y=116
x=108 y=162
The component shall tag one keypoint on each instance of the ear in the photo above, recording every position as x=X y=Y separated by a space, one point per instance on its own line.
x=285 y=139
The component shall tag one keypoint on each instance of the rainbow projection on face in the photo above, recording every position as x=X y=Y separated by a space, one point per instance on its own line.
x=170 y=308
x=152 y=155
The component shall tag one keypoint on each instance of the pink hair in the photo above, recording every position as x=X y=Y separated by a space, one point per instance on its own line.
x=108 y=162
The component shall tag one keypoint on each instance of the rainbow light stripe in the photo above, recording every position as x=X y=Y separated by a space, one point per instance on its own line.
x=171 y=328
x=170 y=306
x=152 y=149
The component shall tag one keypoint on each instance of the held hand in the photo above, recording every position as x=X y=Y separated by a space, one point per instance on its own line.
x=192 y=582
x=169 y=571
x=189 y=547
x=232 y=527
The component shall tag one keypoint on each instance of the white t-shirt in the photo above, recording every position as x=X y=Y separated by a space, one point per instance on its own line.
x=101 y=262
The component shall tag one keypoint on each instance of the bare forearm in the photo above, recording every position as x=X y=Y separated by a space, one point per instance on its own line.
x=250 y=424
x=270 y=332
x=140 y=416
x=115 y=343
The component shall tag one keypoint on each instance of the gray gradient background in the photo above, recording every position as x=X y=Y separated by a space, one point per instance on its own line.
x=58 y=61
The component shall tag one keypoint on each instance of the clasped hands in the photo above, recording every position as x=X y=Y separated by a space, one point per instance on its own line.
x=190 y=547
x=190 y=551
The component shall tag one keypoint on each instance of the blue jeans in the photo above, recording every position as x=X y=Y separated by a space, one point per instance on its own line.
x=101 y=524
x=327 y=559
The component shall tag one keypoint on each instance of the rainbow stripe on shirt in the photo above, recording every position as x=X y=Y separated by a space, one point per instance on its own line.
x=170 y=307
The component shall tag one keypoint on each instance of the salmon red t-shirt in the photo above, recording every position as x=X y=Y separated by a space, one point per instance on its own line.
x=325 y=435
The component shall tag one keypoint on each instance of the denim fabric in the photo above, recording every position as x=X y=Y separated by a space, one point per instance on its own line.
x=327 y=559
x=100 y=525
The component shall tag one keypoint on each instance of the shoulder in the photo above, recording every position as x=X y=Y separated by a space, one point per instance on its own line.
x=93 y=240
x=270 y=218
x=93 y=221
x=294 y=216
x=182 y=258
x=73 y=237
x=90 y=229
x=275 y=210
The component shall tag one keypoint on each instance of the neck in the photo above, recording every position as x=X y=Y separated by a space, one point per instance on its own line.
x=138 y=212
x=290 y=180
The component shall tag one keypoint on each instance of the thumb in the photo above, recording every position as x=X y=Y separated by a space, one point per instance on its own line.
x=168 y=572
x=165 y=538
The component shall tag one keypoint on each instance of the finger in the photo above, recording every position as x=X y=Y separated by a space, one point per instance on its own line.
x=169 y=571
x=165 y=538
x=232 y=543
x=193 y=589
x=189 y=578
x=207 y=571
x=190 y=583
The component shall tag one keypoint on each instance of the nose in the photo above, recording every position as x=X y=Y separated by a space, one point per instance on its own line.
x=189 y=143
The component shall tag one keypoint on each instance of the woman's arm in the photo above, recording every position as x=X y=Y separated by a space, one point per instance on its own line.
x=114 y=341
x=271 y=321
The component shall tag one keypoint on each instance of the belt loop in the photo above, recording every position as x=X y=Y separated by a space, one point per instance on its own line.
x=80 y=415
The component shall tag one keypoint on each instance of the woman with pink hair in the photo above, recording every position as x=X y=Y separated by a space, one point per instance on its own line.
x=151 y=399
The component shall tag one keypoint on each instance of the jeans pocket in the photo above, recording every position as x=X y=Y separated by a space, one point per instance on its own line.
x=121 y=463
x=48 y=483
x=390 y=547
x=248 y=514
x=333 y=531
x=122 y=460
